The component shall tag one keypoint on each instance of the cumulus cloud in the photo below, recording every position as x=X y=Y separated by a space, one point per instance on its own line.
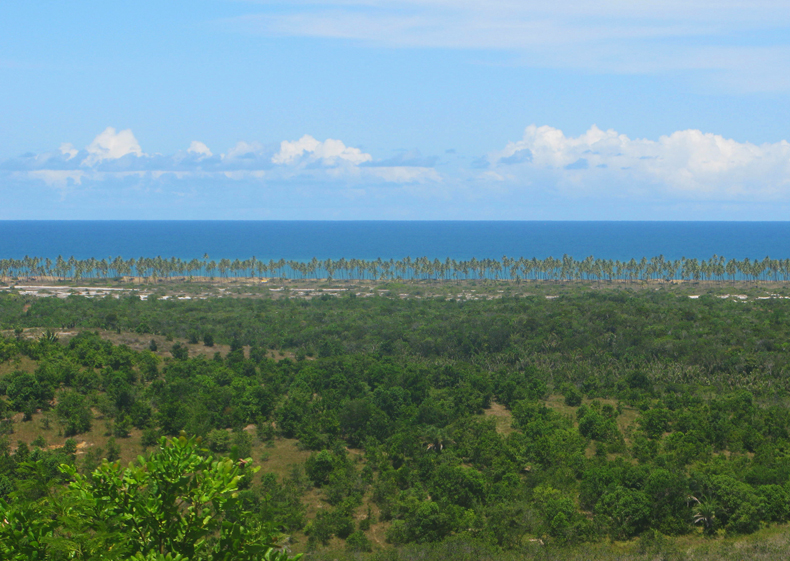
x=68 y=150
x=111 y=145
x=199 y=149
x=329 y=152
x=685 y=164
x=691 y=173
x=518 y=157
x=244 y=151
x=117 y=155
x=682 y=166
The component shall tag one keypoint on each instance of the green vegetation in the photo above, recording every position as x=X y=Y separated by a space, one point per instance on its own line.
x=609 y=423
x=177 y=504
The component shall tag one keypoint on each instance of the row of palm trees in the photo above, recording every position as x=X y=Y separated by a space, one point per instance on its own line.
x=716 y=268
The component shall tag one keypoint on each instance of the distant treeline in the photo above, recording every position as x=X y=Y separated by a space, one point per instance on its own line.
x=567 y=268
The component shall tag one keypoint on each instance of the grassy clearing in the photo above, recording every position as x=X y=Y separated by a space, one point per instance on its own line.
x=501 y=416
x=22 y=363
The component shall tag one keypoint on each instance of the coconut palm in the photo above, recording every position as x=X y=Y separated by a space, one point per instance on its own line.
x=704 y=514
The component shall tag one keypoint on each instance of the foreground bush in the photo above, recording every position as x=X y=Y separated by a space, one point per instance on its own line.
x=179 y=504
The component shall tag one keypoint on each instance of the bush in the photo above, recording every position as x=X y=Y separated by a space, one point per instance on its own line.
x=218 y=441
x=320 y=466
x=179 y=352
x=70 y=446
x=148 y=514
x=628 y=511
x=241 y=444
x=265 y=430
x=358 y=541
x=6 y=487
x=26 y=393
x=74 y=413
x=150 y=437
x=573 y=397
x=122 y=427
x=113 y=450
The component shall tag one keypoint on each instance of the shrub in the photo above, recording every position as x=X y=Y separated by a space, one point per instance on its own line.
x=358 y=541
x=241 y=444
x=573 y=397
x=179 y=352
x=218 y=441
x=265 y=430
x=122 y=427
x=149 y=438
x=70 y=446
x=113 y=450
x=74 y=413
x=320 y=466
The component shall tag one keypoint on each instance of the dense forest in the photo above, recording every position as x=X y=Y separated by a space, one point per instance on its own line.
x=623 y=423
x=717 y=268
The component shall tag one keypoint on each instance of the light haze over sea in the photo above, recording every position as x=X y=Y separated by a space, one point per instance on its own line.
x=303 y=240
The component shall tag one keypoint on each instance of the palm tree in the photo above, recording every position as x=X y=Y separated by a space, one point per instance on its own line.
x=436 y=439
x=705 y=514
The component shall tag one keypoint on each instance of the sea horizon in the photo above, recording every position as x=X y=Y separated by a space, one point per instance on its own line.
x=393 y=239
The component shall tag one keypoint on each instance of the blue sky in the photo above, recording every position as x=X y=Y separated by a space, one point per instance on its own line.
x=377 y=109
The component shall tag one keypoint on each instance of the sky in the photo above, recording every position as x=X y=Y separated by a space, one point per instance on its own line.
x=395 y=110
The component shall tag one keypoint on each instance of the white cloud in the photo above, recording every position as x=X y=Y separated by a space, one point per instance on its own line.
x=111 y=145
x=497 y=23
x=68 y=150
x=685 y=164
x=328 y=152
x=751 y=10
x=724 y=37
x=405 y=174
x=600 y=174
x=290 y=151
x=199 y=149
x=58 y=178
x=241 y=175
x=306 y=159
x=244 y=150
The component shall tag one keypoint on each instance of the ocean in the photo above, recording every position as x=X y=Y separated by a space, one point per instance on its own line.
x=303 y=240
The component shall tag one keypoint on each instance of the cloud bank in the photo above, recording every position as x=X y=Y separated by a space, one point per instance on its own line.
x=686 y=164
x=687 y=174
x=114 y=155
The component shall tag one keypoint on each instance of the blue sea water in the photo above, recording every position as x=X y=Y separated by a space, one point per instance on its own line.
x=302 y=240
